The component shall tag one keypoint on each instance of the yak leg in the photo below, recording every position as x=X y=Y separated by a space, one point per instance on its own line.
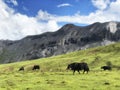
x=73 y=72
x=83 y=71
x=87 y=72
x=78 y=71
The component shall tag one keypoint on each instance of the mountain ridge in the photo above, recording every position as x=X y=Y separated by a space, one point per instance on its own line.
x=67 y=39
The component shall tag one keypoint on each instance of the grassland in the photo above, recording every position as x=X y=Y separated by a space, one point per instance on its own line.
x=53 y=74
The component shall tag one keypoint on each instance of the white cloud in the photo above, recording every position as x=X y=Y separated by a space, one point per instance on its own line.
x=44 y=15
x=15 y=26
x=24 y=8
x=101 y=4
x=14 y=2
x=52 y=25
x=64 y=5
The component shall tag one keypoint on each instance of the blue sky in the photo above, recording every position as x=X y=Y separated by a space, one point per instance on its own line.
x=30 y=17
x=69 y=7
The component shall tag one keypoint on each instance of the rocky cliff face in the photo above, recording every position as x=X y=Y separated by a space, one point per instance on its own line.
x=67 y=39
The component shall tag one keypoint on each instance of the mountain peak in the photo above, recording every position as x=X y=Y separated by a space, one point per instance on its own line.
x=67 y=27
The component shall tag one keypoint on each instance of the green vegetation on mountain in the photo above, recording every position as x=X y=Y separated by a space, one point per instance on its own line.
x=54 y=76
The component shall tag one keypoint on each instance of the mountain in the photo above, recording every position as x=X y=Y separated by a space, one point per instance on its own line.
x=67 y=39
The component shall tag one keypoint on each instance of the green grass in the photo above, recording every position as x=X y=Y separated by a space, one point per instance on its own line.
x=53 y=74
x=99 y=80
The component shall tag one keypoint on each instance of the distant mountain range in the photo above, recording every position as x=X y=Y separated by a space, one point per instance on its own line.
x=69 y=38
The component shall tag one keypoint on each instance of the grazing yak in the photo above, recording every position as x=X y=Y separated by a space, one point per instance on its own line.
x=78 y=67
x=106 y=68
x=21 y=69
x=35 y=67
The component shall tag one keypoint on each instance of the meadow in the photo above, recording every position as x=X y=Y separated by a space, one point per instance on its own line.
x=54 y=76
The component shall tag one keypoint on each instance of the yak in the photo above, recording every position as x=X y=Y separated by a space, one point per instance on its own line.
x=78 y=67
x=35 y=67
x=106 y=68
x=21 y=69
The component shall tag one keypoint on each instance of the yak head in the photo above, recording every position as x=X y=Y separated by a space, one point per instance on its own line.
x=68 y=67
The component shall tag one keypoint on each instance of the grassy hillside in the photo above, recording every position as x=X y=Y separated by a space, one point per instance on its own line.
x=53 y=74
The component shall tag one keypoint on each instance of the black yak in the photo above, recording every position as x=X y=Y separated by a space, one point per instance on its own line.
x=106 y=68
x=78 y=66
x=35 y=67
x=21 y=69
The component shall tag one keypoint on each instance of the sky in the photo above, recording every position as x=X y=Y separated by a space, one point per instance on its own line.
x=20 y=18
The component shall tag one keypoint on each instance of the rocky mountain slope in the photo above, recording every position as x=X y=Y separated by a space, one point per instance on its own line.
x=67 y=39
